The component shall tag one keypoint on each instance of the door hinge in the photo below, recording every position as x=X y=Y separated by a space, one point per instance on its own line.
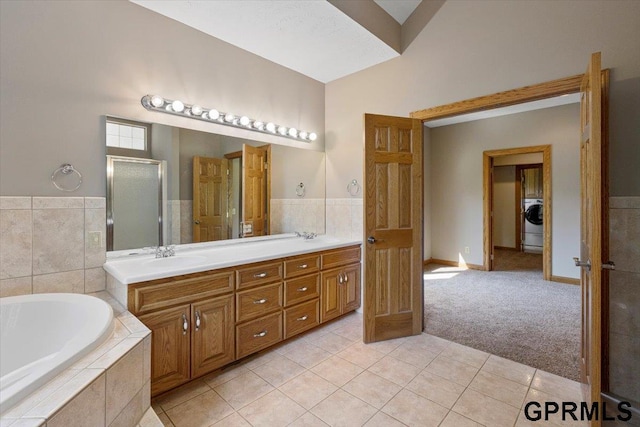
x=266 y=165
x=228 y=172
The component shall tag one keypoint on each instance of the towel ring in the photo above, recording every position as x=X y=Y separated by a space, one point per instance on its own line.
x=63 y=171
x=353 y=188
x=300 y=190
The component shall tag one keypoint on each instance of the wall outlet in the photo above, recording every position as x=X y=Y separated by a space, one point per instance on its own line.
x=95 y=239
x=466 y=249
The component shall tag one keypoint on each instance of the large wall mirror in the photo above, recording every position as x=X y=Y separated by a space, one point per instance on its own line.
x=169 y=185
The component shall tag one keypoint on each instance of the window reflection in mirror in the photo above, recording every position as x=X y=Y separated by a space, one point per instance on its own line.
x=209 y=187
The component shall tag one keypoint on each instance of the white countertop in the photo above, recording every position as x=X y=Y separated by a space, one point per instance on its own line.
x=195 y=258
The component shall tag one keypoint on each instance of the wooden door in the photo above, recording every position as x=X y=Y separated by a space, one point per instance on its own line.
x=591 y=222
x=212 y=328
x=393 y=281
x=210 y=199
x=351 y=288
x=170 y=342
x=255 y=179
x=330 y=294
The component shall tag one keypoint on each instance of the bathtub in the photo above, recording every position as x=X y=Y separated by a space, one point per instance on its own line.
x=43 y=334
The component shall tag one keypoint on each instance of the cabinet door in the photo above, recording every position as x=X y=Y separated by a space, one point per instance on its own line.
x=212 y=331
x=170 y=342
x=330 y=304
x=351 y=288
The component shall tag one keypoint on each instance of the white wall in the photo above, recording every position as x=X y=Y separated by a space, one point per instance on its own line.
x=65 y=64
x=504 y=205
x=474 y=48
x=456 y=175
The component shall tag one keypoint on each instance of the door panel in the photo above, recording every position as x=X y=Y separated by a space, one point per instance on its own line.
x=213 y=339
x=393 y=227
x=329 y=295
x=351 y=288
x=592 y=191
x=210 y=199
x=255 y=197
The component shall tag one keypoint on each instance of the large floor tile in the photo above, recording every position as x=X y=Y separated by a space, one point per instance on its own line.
x=383 y=420
x=272 y=409
x=233 y=420
x=333 y=343
x=499 y=388
x=557 y=386
x=361 y=355
x=395 y=370
x=308 y=389
x=307 y=355
x=485 y=410
x=343 y=409
x=450 y=369
x=509 y=369
x=308 y=420
x=371 y=388
x=464 y=354
x=337 y=370
x=279 y=371
x=181 y=394
x=436 y=388
x=456 y=420
x=416 y=356
x=414 y=410
x=202 y=410
x=243 y=390
x=222 y=376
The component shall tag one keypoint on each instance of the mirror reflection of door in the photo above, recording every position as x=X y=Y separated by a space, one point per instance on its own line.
x=256 y=184
x=210 y=199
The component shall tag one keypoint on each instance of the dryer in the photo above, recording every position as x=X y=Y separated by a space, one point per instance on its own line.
x=532 y=225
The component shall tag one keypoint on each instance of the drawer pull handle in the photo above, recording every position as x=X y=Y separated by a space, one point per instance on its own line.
x=260 y=301
x=303 y=266
x=261 y=334
x=303 y=318
x=340 y=278
x=197 y=320
x=185 y=324
x=303 y=289
x=346 y=277
x=260 y=275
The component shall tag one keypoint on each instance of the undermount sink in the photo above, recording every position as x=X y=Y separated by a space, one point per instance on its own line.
x=323 y=239
x=176 y=261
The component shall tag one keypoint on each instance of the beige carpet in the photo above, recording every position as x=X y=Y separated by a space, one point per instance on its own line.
x=513 y=314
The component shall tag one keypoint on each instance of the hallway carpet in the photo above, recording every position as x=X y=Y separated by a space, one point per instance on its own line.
x=513 y=314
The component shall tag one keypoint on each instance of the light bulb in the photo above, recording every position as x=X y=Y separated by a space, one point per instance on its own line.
x=293 y=132
x=271 y=127
x=214 y=114
x=244 y=120
x=282 y=130
x=303 y=135
x=157 y=101
x=177 y=106
x=313 y=136
x=258 y=125
x=228 y=117
x=196 y=110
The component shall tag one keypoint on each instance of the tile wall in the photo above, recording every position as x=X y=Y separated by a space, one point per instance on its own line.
x=52 y=244
x=289 y=215
x=344 y=217
x=624 y=297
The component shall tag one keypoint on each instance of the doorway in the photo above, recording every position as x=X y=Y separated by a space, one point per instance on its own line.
x=532 y=238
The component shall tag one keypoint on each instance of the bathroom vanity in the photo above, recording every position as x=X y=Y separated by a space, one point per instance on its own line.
x=207 y=308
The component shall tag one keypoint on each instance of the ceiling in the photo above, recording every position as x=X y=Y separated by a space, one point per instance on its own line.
x=312 y=37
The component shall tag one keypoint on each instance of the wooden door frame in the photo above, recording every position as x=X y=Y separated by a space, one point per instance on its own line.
x=487 y=203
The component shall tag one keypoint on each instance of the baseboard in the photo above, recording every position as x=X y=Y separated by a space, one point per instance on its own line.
x=506 y=248
x=453 y=264
x=567 y=280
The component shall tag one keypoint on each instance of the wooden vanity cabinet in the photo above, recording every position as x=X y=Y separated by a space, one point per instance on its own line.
x=340 y=291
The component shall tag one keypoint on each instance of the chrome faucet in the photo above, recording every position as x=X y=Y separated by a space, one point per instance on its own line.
x=165 y=252
x=305 y=235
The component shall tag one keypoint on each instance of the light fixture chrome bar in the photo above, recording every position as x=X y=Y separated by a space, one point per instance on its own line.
x=211 y=115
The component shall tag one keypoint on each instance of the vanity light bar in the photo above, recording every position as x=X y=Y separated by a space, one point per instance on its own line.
x=178 y=108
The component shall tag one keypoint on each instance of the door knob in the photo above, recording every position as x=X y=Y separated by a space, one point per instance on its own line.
x=195 y=221
x=371 y=240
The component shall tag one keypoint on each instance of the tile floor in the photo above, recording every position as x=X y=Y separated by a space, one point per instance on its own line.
x=329 y=377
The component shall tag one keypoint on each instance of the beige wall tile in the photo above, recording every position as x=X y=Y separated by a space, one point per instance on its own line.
x=146 y=345
x=69 y=281
x=15 y=202
x=624 y=202
x=95 y=203
x=131 y=414
x=86 y=409
x=13 y=287
x=58 y=202
x=26 y=422
x=95 y=280
x=623 y=366
x=150 y=419
x=124 y=381
x=95 y=221
x=16 y=235
x=116 y=353
x=624 y=239
x=624 y=303
x=58 y=240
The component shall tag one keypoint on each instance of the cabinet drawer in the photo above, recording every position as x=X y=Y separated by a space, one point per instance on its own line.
x=301 y=289
x=301 y=317
x=156 y=294
x=258 y=274
x=300 y=265
x=340 y=257
x=258 y=334
x=256 y=302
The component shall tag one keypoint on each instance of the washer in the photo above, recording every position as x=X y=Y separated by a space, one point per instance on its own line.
x=532 y=225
